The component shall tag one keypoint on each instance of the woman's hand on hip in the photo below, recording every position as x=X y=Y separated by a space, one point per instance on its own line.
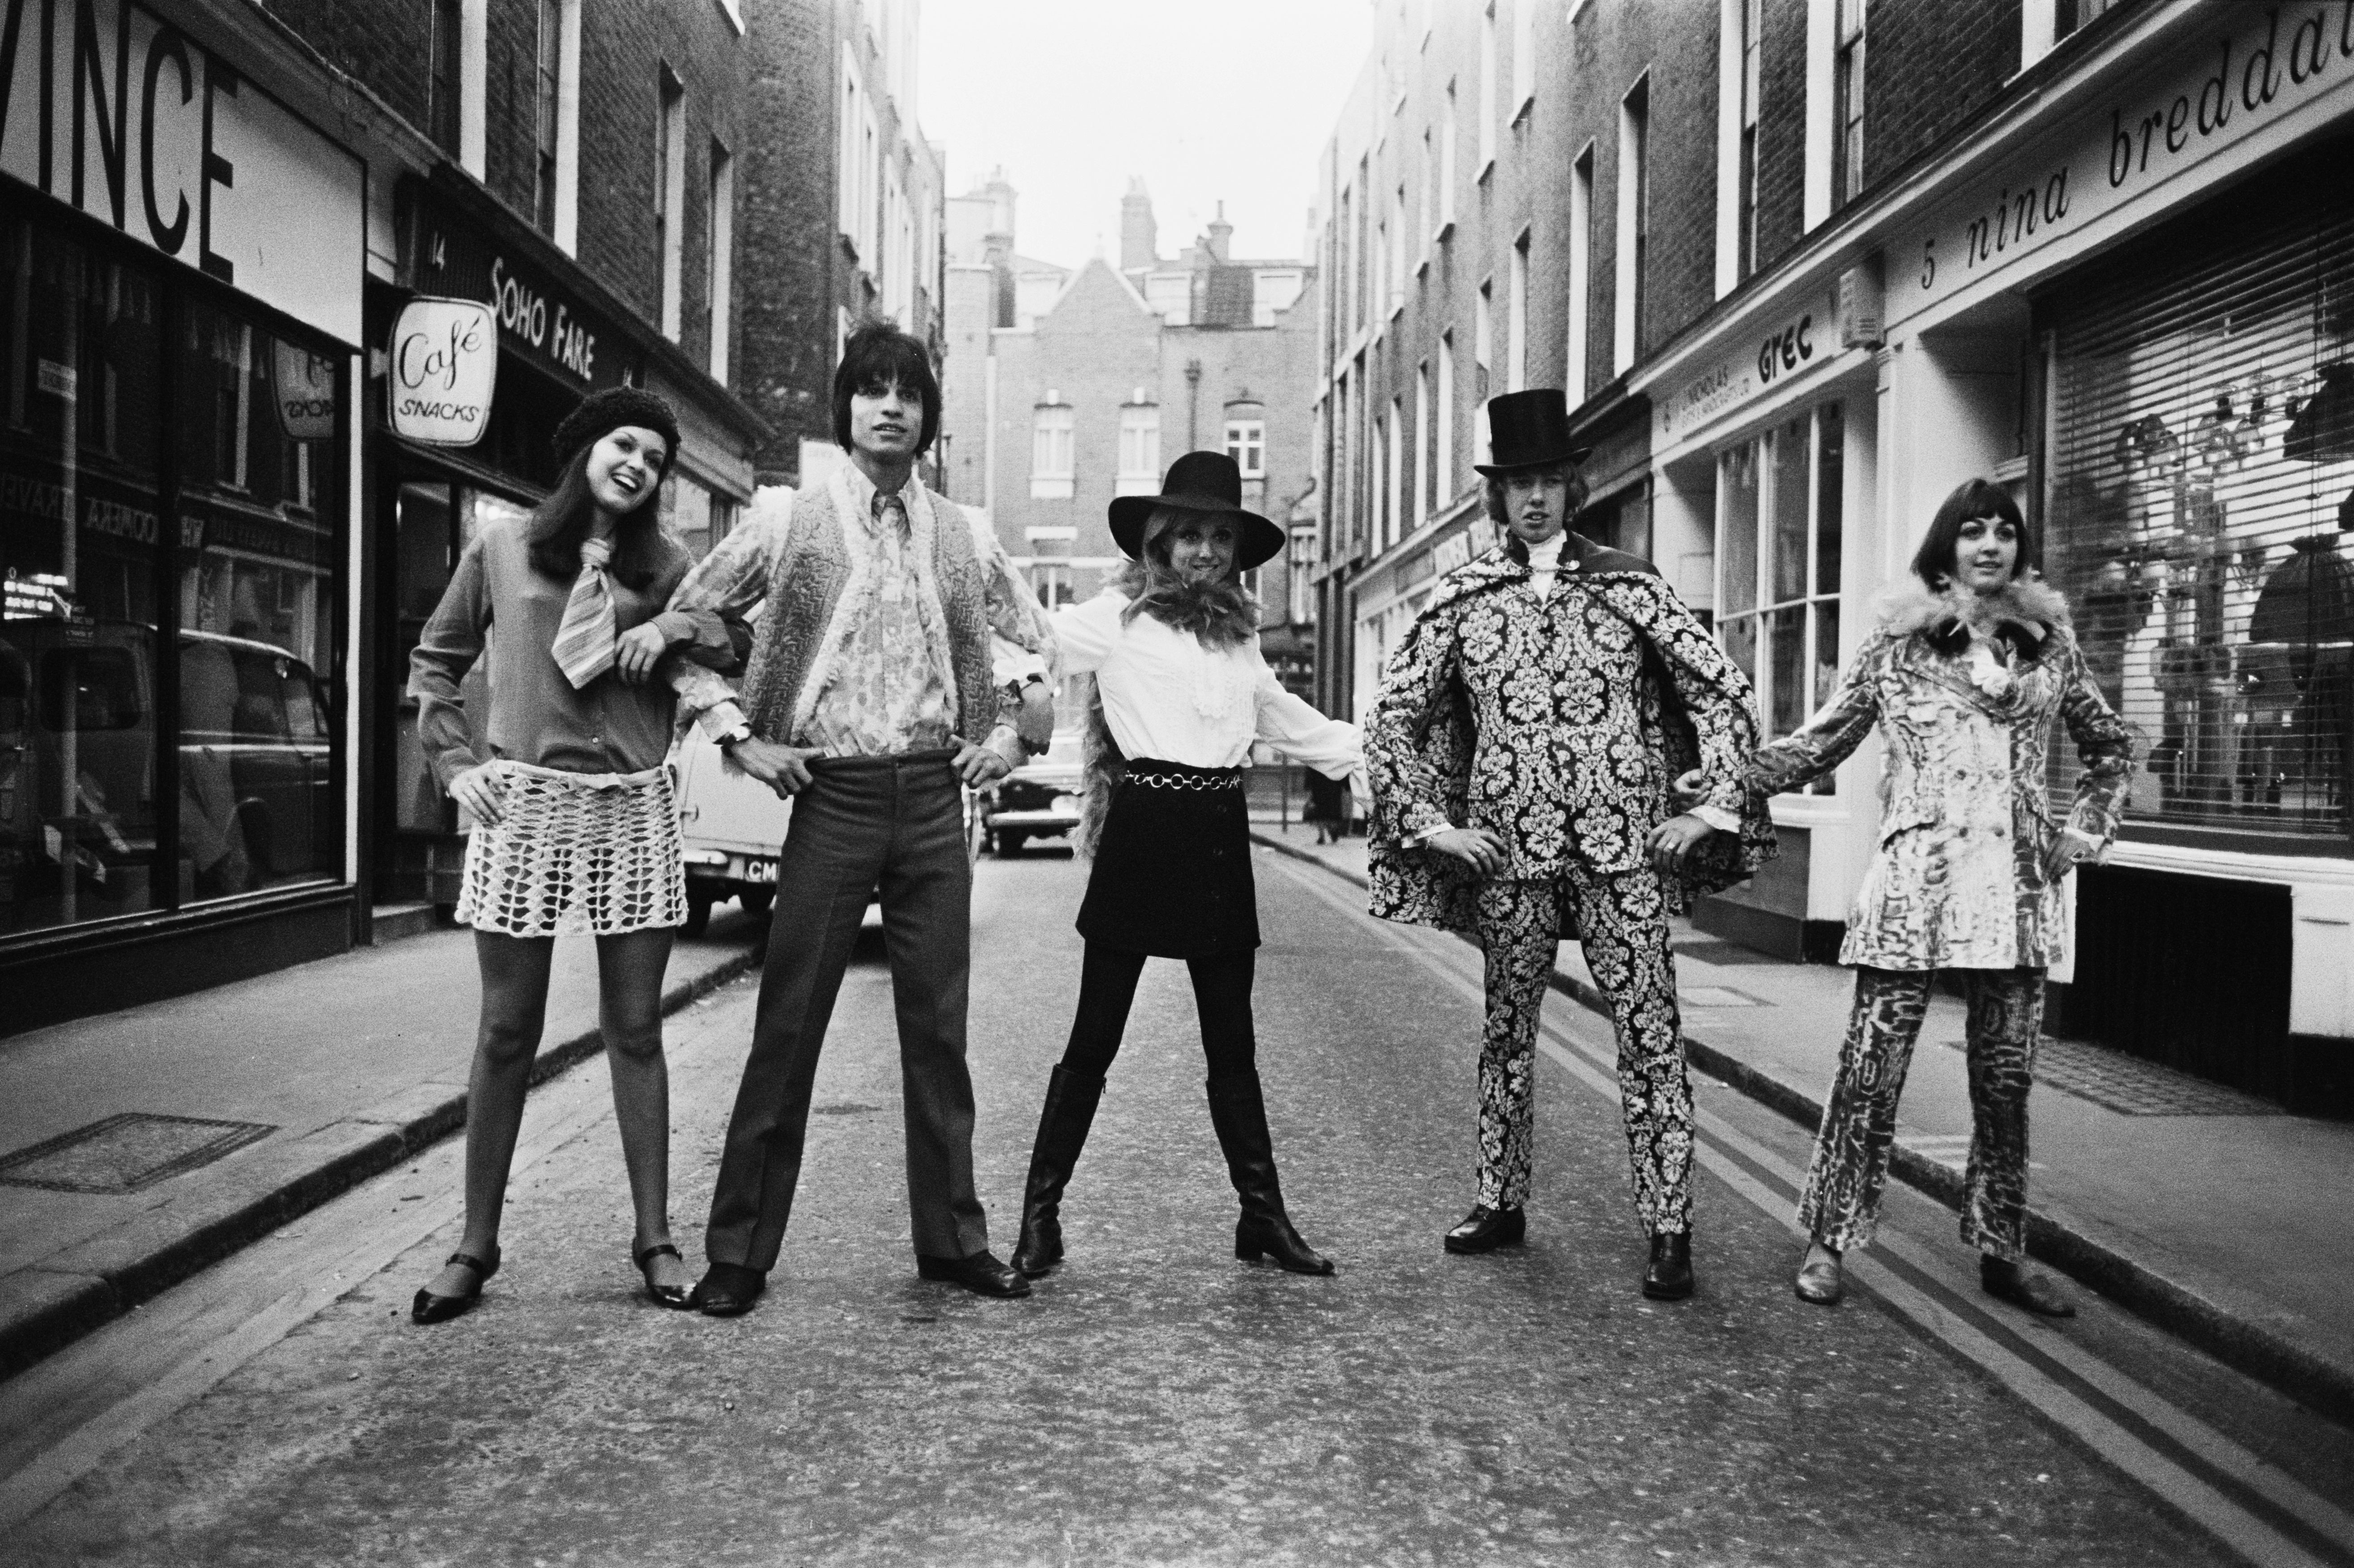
x=640 y=648
x=1478 y=848
x=481 y=794
x=2068 y=851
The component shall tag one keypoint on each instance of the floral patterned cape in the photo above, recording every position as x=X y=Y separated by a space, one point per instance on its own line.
x=1558 y=726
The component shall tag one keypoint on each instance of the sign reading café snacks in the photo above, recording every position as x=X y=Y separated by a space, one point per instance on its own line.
x=443 y=367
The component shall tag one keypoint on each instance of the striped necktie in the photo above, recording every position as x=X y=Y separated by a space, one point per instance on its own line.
x=584 y=642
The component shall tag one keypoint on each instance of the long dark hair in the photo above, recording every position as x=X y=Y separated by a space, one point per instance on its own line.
x=1222 y=614
x=559 y=523
x=1932 y=563
x=879 y=355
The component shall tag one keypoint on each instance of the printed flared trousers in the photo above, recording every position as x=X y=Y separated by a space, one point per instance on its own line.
x=1842 y=1204
x=1624 y=922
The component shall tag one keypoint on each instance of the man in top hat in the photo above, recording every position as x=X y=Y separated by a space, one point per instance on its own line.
x=872 y=693
x=1529 y=730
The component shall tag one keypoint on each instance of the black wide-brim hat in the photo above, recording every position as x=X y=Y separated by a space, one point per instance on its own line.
x=1207 y=483
x=1529 y=429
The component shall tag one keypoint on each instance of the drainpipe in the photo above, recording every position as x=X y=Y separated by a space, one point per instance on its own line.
x=1192 y=405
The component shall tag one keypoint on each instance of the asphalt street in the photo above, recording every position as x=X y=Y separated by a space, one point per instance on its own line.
x=1155 y=1401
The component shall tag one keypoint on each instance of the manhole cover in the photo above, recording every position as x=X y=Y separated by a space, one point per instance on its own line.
x=126 y=1153
x=2131 y=1086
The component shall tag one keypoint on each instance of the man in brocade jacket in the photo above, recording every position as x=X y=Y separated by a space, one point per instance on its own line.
x=1523 y=749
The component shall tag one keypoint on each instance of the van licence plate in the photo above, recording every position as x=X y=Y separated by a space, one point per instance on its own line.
x=759 y=871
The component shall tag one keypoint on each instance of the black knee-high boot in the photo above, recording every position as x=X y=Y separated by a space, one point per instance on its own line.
x=1239 y=1113
x=1062 y=1126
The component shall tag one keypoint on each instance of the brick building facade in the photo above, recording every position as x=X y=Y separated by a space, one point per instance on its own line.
x=1804 y=265
x=843 y=215
x=1056 y=405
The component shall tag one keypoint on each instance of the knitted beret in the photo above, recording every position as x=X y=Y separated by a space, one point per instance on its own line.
x=602 y=412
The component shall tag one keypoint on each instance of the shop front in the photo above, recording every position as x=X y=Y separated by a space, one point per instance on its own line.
x=553 y=336
x=2130 y=301
x=179 y=320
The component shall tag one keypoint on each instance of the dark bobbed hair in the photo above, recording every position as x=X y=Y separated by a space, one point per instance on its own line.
x=559 y=523
x=1491 y=488
x=1932 y=563
x=877 y=356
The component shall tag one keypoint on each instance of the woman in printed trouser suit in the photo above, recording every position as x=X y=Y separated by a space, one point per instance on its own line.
x=1964 y=676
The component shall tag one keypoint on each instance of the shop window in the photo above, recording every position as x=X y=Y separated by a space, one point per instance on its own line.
x=1779 y=528
x=2199 y=489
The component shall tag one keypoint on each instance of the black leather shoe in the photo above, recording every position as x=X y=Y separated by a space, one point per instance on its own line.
x=982 y=1273
x=671 y=1296
x=2005 y=1280
x=1669 y=1277
x=431 y=1308
x=727 y=1290
x=1485 y=1229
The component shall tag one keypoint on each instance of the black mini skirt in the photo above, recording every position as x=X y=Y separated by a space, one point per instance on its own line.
x=1172 y=871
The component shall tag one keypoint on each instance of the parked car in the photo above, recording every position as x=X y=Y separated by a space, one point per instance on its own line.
x=1040 y=800
x=733 y=826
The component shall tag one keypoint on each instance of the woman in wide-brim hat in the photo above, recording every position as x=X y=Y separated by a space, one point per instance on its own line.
x=1181 y=693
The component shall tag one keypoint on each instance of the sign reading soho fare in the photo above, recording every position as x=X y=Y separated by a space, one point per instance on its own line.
x=120 y=114
x=539 y=317
x=2257 y=66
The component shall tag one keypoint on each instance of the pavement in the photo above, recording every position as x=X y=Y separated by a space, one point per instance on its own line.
x=1155 y=1400
x=233 y=1110
x=2211 y=1213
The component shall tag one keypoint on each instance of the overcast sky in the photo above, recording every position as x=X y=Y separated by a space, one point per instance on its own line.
x=1210 y=101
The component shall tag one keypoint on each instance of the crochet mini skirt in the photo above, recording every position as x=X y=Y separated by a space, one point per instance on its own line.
x=577 y=854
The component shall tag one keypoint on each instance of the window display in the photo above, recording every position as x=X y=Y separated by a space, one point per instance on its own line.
x=1779 y=517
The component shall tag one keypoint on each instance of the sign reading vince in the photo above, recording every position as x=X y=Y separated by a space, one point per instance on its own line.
x=121 y=115
x=445 y=366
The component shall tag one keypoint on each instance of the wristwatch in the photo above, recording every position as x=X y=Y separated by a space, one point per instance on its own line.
x=727 y=742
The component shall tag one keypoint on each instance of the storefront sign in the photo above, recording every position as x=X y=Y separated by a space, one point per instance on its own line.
x=444 y=366
x=2255 y=66
x=305 y=385
x=1781 y=351
x=538 y=317
x=129 y=119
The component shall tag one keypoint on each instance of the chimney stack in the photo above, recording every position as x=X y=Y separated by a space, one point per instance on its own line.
x=1139 y=241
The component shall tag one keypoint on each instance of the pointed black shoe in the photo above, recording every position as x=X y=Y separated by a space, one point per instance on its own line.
x=1063 y=1124
x=2005 y=1280
x=1485 y=1229
x=727 y=1290
x=1670 y=1276
x=1239 y=1113
x=431 y=1308
x=980 y=1273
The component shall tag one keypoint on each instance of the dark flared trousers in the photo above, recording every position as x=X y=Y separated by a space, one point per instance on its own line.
x=892 y=823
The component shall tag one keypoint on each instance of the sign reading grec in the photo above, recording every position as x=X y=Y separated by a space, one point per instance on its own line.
x=538 y=318
x=121 y=115
x=2252 y=67
x=1805 y=338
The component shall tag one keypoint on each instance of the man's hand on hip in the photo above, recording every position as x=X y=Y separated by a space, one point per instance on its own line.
x=976 y=765
x=1478 y=848
x=784 y=768
x=1675 y=841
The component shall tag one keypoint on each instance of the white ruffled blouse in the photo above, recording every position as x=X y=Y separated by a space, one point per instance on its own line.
x=1166 y=695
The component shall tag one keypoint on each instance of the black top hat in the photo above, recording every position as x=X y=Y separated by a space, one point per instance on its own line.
x=1529 y=429
x=1199 y=482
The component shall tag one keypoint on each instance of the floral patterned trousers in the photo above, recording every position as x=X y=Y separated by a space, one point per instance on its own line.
x=1842 y=1204
x=1624 y=921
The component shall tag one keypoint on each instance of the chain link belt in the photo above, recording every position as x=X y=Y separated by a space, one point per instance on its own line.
x=1229 y=779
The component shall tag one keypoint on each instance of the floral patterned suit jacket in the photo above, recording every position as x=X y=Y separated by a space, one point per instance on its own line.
x=1964 y=824
x=1559 y=726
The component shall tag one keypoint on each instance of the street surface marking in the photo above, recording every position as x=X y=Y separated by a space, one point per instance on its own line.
x=1910 y=1287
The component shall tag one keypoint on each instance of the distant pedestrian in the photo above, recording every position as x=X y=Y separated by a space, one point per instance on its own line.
x=1529 y=728
x=1181 y=693
x=1328 y=808
x=1963 y=674
x=872 y=695
x=575 y=829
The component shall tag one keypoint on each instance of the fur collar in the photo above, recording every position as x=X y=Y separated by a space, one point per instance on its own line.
x=2029 y=611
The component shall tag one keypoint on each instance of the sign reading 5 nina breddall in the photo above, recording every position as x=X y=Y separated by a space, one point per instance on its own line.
x=445 y=366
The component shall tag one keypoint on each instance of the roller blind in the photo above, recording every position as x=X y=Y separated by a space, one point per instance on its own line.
x=2198 y=474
